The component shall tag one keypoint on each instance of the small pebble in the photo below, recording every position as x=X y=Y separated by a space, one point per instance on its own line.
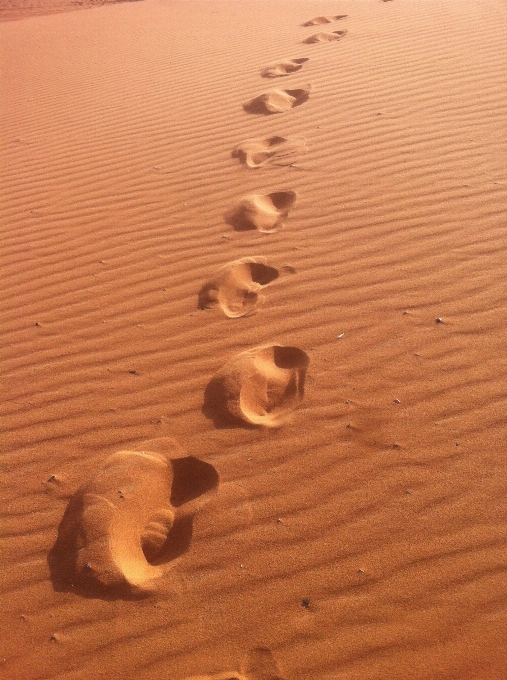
x=52 y=478
x=397 y=401
x=439 y=320
x=37 y=323
x=305 y=603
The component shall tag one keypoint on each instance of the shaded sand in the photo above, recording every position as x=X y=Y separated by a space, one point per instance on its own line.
x=254 y=153
x=277 y=101
x=236 y=286
x=324 y=20
x=283 y=68
x=365 y=537
x=121 y=529
x=261 y=386
x=264 y=213
x=12 y=10
x=324 y=36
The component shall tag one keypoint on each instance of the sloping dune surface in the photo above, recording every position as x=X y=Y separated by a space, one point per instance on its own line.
x=365 y=536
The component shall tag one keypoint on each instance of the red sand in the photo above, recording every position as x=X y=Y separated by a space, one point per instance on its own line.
x=363 y=538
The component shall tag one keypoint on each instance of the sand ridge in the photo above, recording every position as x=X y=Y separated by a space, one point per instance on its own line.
x=365 y=537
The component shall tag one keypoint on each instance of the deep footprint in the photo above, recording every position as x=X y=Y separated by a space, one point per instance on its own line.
x=264 y=212
x=254 y=153
x=324 y=20
x=283 y=68
x=324 y=37
x=277 y=101
x=261 y=386
x=236 y=287
x=122 y=528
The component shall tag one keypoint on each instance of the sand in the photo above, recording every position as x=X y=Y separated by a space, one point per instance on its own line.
x=341 y=513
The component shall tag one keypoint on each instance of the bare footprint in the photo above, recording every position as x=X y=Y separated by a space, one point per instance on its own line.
x=123 y=527
x=259 y=664
x=277 y=101
x=264 y=212
x=283 y=68
x=261 y=386
x=324 y=20
x=236 y=286
x=254 y=153
x=324 y=37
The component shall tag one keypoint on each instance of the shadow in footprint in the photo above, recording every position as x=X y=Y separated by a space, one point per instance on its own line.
x=324 y=37
x=123 y=528
x=261 y=387
x=256 y=152
x=277 y=101
x=263 y=212
x=324 y=20
x=236 y=286
x=283 y=68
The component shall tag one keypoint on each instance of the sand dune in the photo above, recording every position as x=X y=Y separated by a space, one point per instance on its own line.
x=364 y=536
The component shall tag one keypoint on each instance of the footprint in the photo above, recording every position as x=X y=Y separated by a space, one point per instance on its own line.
x=323 y=37
x=254 y=153
x=123 y=527
x=264 y=212
x=324 y=20
x=277 y=101
x=259 y=664
x=236 y=287
x=261 y=386
x=283 y=68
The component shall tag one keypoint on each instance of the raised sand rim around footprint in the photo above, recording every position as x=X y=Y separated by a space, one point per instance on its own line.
x=113 y=534
x=277 y=101
x=236 y=286
x=264 y=212
x=261 y=386
x=283 y=68
x=324 y=20
x=324 y=36
x=257 y=152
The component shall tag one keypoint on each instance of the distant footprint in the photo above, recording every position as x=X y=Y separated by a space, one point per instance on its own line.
x=236 y=287
x=254 y=153
x=277 y=101
x=259 y=664
x=324 y=37
x=324 y=20
x=261 y=386
x=264 y=212
x=283 y=68
x=123 y=527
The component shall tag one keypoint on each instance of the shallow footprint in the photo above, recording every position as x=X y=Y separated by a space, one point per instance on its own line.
x=259 y=664
x=123 y=526
x=261 y=386
x=236 y=286
x=283 y=68
x=254 y=153
x=324 y=20
x=264 y=212
x=324 y=36
x=277 y=101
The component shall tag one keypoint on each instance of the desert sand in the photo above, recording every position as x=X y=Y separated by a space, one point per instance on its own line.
x=254 y=340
